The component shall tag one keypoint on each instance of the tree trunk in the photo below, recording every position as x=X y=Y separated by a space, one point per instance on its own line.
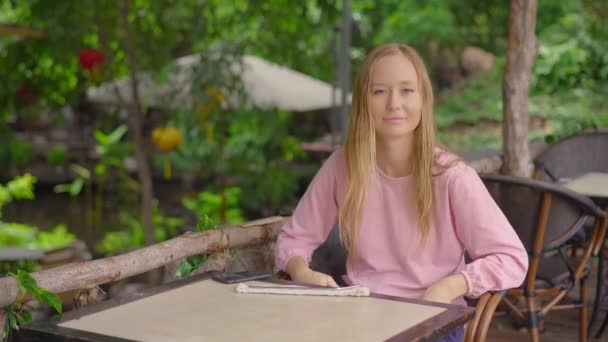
x=88 y=274
x=135 y=123
x=2 y=323
x=516 y=85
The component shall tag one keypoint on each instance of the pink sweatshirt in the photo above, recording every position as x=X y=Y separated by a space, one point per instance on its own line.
x=389 y=258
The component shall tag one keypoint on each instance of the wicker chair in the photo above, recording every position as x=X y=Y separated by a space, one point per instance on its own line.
x=545 y=217
x=572 y=156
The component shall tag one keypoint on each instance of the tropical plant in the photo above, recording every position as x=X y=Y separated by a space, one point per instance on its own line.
x=23 y=235
x=19 y=314
x=57 y=156
x=132 y=235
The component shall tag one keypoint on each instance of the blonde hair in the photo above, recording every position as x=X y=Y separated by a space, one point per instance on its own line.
x=360 y=147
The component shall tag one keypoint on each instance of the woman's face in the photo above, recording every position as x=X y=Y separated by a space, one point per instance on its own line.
x=395 y=102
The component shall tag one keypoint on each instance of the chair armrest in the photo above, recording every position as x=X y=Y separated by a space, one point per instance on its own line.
x=477 y=329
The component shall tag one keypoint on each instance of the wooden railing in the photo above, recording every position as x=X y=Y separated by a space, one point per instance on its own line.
x=89 y=274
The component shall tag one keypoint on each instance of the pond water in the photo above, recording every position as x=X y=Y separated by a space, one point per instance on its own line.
x=50 y=209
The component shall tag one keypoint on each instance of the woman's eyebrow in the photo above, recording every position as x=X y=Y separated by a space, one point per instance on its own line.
x=405 y=82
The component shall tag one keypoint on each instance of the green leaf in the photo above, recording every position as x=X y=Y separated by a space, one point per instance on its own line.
x=7 y=329
x=61 y=188
x=184 y=270
x=22 y=187
x=51 y=299
x=12 y=321
x=100 y=169
x=117 y=134
x=82 y=172
x=100 y=137
x=26 y=317
x=27 y=281
x=76 y=186
x=197 y=260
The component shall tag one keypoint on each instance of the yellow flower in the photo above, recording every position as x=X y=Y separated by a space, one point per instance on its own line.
x=166 y=138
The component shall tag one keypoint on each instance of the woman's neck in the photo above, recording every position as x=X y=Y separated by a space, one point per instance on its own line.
x=394 y=156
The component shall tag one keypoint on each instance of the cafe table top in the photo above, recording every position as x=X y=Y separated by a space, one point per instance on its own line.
x=594 y=185
x=200 y=309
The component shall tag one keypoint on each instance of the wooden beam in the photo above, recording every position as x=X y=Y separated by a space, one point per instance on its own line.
x=87 y=274
x=20 y=31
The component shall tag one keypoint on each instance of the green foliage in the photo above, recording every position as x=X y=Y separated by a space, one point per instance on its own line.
x=23 y=235
x=16 y=234
x=208 y=204
x=193 y=263
x=110 y=149
x=83 y=177
x=566 y=112
x=55 y=238
x=17 y=314
x=244 y=146
x=480 y=99
x=74 y=188
x=132 y=236
x=7 y=267
x=418 y=23
x=26 y=236
x=204 y=222
x=190 y=265
x=27 y=284
x=57 y=156
x=572 y=54
x=20 y=152
x=21 y=187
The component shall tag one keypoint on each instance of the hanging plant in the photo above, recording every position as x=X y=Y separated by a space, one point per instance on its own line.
x=166 y=139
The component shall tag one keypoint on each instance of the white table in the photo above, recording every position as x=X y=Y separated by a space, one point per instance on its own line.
x=594 y=185
x=201 y=309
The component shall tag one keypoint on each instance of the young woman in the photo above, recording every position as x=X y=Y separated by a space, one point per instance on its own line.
x=407 y=208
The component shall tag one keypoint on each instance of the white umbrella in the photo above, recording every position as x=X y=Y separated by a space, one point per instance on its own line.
x=267 y=86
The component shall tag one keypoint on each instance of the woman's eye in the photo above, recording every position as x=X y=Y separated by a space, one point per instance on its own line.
x=407 y=90
x=378 y=92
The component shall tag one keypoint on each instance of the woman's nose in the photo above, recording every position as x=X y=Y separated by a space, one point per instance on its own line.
x=394 y=100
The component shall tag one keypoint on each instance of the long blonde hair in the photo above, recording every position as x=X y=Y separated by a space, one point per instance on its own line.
x=360 y=147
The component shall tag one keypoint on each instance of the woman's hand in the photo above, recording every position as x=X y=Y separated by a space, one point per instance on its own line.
x=300 y=272
x=447 y=289
x=309 y=276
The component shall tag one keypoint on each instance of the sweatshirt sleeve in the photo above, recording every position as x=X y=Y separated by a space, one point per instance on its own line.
x=500 y=260
x=313 y=218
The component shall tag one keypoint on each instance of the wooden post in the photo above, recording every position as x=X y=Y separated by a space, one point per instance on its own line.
x=135 y=123
x=516 y=84
x=88 y=274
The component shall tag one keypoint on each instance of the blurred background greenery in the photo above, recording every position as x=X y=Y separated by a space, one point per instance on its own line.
x=234 y=164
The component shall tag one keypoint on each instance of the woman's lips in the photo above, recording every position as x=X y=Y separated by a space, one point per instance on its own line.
x=393 y=119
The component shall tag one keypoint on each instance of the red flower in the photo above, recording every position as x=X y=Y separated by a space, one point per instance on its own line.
x=26 y=95
x=90 y=58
